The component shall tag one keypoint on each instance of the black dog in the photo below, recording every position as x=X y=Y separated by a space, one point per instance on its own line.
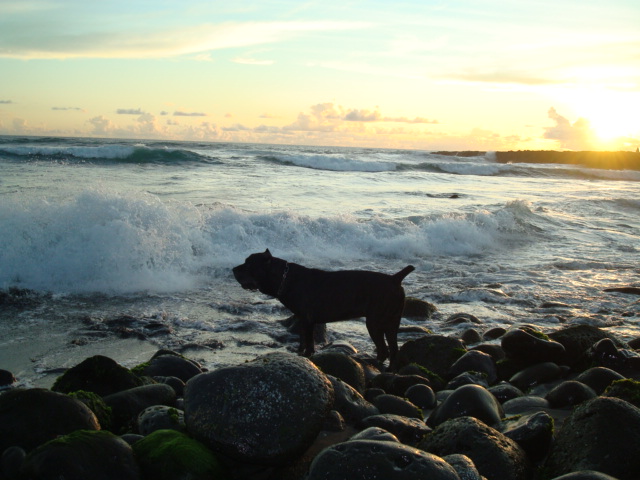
x=316 y=296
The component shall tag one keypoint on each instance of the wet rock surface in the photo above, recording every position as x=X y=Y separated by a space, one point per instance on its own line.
x=448 y=412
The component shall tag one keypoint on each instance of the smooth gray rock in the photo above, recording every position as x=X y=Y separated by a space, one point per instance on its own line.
x=266 y=411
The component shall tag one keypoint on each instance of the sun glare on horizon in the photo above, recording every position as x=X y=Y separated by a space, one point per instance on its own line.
x=612 y=115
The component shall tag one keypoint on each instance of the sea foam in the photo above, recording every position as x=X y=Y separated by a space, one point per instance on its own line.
x=123 y=243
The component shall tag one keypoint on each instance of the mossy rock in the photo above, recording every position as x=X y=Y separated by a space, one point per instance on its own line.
x=95 y=403
x=626 y=389
x=169 y=455
x=434 y=352
x=98 y=374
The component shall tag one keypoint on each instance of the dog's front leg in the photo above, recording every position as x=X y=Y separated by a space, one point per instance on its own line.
x=307 y=343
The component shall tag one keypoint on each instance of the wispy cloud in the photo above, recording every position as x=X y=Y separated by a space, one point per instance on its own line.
x=70 y=37
x=64 y=109
x=189 y=114
x=130 y=111
x=6 y=102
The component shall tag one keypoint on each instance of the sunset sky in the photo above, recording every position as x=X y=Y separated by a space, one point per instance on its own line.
x=426 y=74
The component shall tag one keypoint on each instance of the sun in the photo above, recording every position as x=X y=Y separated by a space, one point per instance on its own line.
x=612 y=115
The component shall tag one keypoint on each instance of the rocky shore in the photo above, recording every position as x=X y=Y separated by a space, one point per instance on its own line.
x=500 y=405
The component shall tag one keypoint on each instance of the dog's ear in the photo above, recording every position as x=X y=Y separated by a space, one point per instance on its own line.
x=267 y=253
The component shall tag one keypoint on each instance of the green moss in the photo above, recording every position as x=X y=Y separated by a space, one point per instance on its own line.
x=95 y=403
x=168 y=454
x=139 y=369
x=626 y=389
x=434 y=377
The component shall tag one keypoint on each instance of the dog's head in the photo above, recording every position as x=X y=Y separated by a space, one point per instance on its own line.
x=253 y=274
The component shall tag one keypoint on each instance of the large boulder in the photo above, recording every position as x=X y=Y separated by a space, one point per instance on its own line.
x=495 y=456
x=81 y=455
x=31 y=417
x=267 y=411
x=531 y=346
x=602 y=434
x=368 y=459
x=437 y=353
x=98 y=374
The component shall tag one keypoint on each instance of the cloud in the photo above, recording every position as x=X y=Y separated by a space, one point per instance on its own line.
x=64 y=109
x=66 y=34
x=129 y=111
x=576 y=136
x=363 y=116
x=101 y=125
x=415 y=120
x=6 y=102
x=189 y=114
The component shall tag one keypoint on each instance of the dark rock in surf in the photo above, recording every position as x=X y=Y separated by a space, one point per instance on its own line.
x=602 y=434
x=533 y=432
x=505 y=392
x=160 y=417
x=463 y=466
x=577 y=339
x=494 y=333
x=166 y=363
x=467 y=378
x=494 y=455
x=475 y=361
x=128 y=404
x=626 y=389
x=468 y=401
x=274 y=407
x=535 y=375
x=375 y=433
x=350 y=403
x=31 y=417
x=397 y=406
x=568 y=394
x=97 y=374
x=416 y=309
x=495 y=351
x=531 y=346
x=341 y=366
x=434 y=352
x=397 y=384
x=80 y=455
x=471 y=336
x=6 y=378
x=422 y=396
x=526 y=404
x=360 y=459
x=599 y=378
x=408 y=430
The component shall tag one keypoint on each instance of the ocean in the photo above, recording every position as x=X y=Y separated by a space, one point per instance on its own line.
x=122 y=247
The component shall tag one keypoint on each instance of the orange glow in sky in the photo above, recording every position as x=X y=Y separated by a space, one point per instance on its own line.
x=427 y=74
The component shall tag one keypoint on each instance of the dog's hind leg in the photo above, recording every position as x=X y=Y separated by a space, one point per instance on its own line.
x=377 y=335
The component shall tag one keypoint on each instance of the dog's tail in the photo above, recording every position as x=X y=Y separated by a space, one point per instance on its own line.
x=403 y=273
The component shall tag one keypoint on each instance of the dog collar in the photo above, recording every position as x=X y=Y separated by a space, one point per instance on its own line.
x=284 y=279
